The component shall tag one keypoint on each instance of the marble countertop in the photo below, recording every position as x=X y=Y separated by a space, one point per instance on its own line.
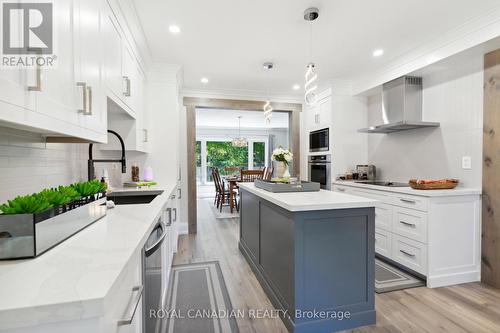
x=72 y=280
x=307 y=201
x=458 y=191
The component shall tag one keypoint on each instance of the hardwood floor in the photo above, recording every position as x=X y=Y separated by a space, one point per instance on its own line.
x=472 y=307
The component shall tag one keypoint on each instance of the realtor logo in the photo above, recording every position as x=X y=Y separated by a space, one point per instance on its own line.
x=27 y=28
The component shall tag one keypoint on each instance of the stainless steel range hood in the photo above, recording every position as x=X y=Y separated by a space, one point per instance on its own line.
x=401 y=106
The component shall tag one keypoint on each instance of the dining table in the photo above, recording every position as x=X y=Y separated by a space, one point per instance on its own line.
x=233 y=185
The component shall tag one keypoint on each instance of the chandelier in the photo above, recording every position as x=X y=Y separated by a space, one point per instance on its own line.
x=310 y=86
x=239 y=141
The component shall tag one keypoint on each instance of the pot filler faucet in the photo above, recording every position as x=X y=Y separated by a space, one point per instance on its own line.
x=91 y=161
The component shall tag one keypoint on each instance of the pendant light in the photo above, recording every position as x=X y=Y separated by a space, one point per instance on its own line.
x=268 y=109
x=239 y=141
x=310 y=86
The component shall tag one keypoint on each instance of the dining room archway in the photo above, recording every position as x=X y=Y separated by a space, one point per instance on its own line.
x=192 y=104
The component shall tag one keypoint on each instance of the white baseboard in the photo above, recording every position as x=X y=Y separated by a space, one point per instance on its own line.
x=451 y=279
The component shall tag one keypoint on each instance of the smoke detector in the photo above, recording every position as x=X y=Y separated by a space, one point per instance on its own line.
x=310 y=14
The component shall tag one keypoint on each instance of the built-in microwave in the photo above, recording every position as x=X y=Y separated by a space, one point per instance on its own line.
x=319 y=140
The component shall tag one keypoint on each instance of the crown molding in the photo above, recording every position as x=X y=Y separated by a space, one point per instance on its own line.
x=470 y=34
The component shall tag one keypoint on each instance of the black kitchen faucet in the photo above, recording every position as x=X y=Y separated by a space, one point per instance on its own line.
x=91 y=169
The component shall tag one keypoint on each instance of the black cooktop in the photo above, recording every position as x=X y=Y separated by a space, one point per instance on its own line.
x=384 y=183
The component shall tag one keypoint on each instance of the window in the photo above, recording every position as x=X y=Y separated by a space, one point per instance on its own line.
x=219 y=153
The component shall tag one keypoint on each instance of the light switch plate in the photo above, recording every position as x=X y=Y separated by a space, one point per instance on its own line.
x=466 y=162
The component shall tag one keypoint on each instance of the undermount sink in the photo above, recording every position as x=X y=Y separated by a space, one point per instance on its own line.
x=133 y=197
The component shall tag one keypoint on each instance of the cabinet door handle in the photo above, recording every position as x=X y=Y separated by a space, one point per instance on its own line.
x=169 y=211
x=89 y=110
x=126 y=93
x=134 y=302
x=83 y=85
x=180 y=193
x=408 y=201
x=38 y=71
x=408 y=224
x=175 y=214
x=407 y=253
x=340 y=189
x=145 y=135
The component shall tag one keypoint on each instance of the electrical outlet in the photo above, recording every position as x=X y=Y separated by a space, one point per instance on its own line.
x=466 y=162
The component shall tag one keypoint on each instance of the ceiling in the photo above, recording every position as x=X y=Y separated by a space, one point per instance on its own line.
x=227 y=41
x=213 y=118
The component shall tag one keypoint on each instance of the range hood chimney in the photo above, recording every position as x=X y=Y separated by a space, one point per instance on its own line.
x=401 y=106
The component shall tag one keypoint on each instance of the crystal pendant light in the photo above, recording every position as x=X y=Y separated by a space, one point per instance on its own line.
x=310 y=86
x=268 y=109
x=239 y=141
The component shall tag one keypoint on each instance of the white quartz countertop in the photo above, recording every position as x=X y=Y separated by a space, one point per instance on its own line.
x=458 y=191
x=307 y=201
x=72 y=280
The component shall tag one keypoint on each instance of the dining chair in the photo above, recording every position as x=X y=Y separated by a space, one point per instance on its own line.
x=232 y=170
x=250 y=175
x=223 y=195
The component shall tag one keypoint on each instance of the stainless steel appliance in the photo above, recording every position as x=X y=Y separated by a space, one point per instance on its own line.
x=154 y=260
x=319 y=140
x=366 y=172
x=320 y=170
x=401 y=106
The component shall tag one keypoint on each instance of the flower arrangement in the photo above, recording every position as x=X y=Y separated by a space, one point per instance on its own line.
x=282 y=155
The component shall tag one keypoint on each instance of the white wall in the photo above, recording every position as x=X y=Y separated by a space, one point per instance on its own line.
x=452 y=96
x=28 y=165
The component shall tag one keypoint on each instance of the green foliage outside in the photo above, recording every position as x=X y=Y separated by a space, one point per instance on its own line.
x=259 y=157
x=222 y=154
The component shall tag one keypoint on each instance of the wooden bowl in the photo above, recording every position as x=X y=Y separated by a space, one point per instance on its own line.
x=443 y=184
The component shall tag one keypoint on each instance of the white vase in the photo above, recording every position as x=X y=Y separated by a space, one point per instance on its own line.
x=283 y=171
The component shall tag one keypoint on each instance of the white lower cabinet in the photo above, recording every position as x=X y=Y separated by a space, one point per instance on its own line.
x=409 y=253
x=435 y=236
x=383 y=242
x=123 y=309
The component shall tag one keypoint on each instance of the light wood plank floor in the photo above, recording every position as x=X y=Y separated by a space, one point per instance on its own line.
x=469 y=307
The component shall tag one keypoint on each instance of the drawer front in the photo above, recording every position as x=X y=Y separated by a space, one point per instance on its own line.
x=410 y=223
x=410 y=201
x=409 y=253
x=383 y=242
x=383 y=216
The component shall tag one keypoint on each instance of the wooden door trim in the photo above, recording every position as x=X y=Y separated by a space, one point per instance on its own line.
x=193 y=103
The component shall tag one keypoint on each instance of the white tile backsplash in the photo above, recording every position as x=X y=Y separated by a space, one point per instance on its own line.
x=28 y=164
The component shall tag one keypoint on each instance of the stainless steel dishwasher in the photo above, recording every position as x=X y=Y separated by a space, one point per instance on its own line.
x=154 y=281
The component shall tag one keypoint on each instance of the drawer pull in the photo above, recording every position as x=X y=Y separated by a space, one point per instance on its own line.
x=407 y=253
x=340 y=189
x=408 y=224
x=408 y=201
x=132 y=307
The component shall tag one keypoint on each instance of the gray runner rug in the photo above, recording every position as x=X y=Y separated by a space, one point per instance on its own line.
x=389 y=278
x=198 y=295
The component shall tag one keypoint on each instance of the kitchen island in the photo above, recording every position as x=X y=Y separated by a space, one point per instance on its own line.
x=313 y=254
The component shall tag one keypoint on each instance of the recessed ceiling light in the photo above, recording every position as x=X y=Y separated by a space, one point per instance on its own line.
x=174 y=29
x=204 y=80
x=378 y=52
x=296 y=87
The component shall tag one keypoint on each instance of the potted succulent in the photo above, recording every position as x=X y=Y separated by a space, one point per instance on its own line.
x=283 y=157
x=32 y=224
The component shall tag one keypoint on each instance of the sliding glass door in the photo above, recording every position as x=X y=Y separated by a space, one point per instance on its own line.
x=220 y=154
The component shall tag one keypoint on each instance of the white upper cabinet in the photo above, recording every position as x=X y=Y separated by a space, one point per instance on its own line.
x=319 y=116
x=56 y=98
x=112 y=46
x=89 y=63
